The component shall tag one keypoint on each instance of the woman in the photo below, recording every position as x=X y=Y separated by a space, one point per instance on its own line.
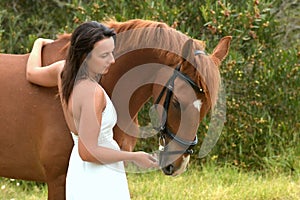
x=96 y=169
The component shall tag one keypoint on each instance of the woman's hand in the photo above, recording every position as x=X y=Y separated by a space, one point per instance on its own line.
x=145 y=160
x=43 y=41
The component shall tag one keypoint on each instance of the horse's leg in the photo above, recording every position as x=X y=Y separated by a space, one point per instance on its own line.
x=56 y=169
x=55 y=152
x=56 y=166
x=56 y=188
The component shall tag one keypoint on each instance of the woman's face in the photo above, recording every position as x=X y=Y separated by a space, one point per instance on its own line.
x=101 y=57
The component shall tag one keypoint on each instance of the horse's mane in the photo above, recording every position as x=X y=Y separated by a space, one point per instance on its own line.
x=138 y=34
x=144 y=34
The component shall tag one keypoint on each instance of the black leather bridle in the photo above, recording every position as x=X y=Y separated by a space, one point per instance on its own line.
x=163 y=129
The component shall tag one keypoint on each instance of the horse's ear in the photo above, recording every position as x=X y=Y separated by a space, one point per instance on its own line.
x=187 y=49
x=221 y=50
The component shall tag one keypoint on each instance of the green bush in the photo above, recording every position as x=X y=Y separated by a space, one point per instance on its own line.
x=262 y=81
x=261 y=75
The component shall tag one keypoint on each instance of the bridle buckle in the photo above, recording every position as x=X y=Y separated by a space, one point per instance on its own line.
x=162 y=143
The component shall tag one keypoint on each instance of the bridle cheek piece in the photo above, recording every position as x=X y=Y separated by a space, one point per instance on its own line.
x=163 y=130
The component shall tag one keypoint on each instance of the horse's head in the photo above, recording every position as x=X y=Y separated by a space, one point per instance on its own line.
x=190 y=92
x=184 y=82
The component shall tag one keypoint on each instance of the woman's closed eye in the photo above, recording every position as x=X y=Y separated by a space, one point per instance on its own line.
x=104 y=55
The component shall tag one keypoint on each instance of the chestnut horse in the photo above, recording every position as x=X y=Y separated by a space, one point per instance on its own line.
x=152 y=60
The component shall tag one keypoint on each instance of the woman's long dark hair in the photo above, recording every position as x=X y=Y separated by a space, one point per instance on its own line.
x=83 y=40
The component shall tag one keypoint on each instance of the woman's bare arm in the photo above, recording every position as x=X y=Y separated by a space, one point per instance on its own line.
x=92 y=102
x=46 y=76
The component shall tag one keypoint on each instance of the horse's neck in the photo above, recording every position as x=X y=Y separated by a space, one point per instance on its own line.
x=55 y=51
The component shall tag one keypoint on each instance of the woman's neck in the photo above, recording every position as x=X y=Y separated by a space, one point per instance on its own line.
x=95 y=78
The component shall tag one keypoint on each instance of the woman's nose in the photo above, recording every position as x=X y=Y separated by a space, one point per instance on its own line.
x=112 y=59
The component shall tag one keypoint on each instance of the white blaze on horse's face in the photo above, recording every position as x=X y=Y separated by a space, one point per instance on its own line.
x=197 y=104
x=183 y=166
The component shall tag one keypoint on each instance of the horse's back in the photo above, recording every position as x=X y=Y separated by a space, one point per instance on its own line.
x=32 y=126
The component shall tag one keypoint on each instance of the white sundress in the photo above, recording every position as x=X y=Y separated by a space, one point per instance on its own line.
x=90 y=181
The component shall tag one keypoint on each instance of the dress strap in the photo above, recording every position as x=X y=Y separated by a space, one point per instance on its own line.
x=75 y=137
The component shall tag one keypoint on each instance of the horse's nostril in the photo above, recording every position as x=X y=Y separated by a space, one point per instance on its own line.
x=168 y=170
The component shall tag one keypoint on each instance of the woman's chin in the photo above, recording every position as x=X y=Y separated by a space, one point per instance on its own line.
x=105 y=71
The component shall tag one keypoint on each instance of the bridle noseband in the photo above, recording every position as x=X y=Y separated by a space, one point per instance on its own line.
x=163 y=130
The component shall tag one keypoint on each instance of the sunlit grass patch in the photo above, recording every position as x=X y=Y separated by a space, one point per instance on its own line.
x=11 y=189
x=207 y=182
x=211 y=183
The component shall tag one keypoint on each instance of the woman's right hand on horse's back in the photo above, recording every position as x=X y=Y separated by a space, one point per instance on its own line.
x=43 y=41
x=145 y=160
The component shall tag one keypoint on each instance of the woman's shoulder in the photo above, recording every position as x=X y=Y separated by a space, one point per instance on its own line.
x=87 y=88
x=90 y=95
x=87 y=84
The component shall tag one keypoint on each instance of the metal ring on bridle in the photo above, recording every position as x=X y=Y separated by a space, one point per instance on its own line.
x=198 y=52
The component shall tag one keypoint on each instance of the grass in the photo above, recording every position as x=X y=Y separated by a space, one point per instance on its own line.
x=207 y=183
x=21 y=190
